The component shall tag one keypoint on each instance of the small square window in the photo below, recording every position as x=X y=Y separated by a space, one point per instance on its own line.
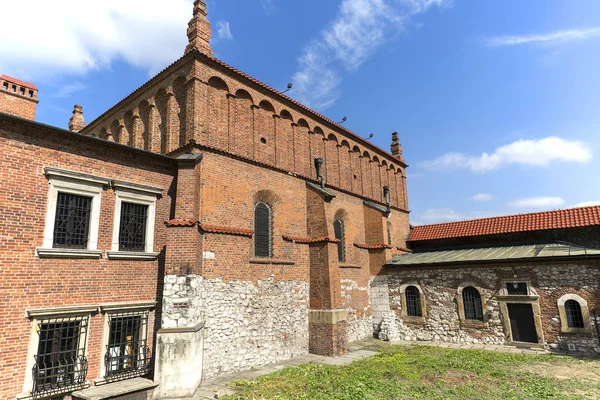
x=72 y=221
x=132 y=228
x=31 y=93
x=14 y=88
x=22 y=91
x=60 y=361
x=5 y=86
x=517 y=288
x=127 y=353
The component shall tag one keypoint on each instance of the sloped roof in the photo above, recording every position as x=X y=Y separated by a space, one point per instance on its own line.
x=18 y=82
x=559 y=219
x=494 y=254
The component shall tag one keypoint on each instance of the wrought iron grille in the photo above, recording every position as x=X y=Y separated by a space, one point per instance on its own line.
x=472 y=304
x=574 y=315
x=413 y=302
x=71 y=224
x=263 y=235
x=127 y=353
x=517 y=288
x=132 y=230
x=60 y=362
x=340 y=233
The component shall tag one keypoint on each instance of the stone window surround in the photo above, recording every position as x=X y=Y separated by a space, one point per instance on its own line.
x=411 y=319
x=49 y=313
x=461 y=307
x=585 y=313
x=532 y=298
x=111 y=308
x=78 y=184
x=137 y=194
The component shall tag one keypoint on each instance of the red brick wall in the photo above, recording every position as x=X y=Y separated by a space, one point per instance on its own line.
x=16 y=104
x=29 y=282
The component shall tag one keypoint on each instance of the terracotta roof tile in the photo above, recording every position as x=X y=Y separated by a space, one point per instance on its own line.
x=372 y=246
x=558 y=219
x=18 y=82
x=300 y=239
x=210 y=228
x=181 y=222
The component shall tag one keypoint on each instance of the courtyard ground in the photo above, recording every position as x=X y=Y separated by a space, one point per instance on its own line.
x=426 y=372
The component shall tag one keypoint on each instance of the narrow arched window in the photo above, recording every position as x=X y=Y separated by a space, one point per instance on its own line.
x=574 y=315
x=413 y=302
x=263 y=231
x=339 y=231
x=389 y=233
x=472 y=304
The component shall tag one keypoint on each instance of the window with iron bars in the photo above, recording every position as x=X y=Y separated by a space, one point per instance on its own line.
x=574 y=314
x=413 y=302
x=340 y=233
x=472 y=304
x=127 y=354
x=132 y=229
x=72 y=221
x=517 y=288
x=263 y=231
x=60 y=361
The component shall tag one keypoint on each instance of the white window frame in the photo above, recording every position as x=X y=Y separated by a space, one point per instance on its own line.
x=39 y=315
x=62 y=181
x=107 y=309
x=136 y=194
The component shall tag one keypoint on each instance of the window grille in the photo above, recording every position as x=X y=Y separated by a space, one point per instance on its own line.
x=72 y=221
x=517 y=288
x=127 y=353
x=574 y=315
x=340 y=233
x=132 y=228
x=263 y=235
x=413 y=302
x=60 y=361
x=472 y=304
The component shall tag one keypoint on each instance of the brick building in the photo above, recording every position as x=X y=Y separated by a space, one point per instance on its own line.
x=207 y=224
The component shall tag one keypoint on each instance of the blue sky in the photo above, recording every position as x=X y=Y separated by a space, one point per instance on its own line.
x=496 y=103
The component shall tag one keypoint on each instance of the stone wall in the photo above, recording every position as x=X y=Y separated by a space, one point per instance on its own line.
x=360 y=321
x=249 y=325
x=182 y=301
x=442 y=322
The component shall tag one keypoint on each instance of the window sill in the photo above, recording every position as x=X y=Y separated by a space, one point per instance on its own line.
x=350 y=266
x=117 y=389
x=68 y=253
x=468 y=323
x=130 y=255
x=271 y=261
x=414 y=320
x=52 y=394
x=587 y=331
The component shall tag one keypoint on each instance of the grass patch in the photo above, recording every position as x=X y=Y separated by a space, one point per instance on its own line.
x=422 y=372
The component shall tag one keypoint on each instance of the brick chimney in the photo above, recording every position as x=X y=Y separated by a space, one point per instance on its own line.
x=17 y=97
x=396 y=147
x=198 y=31
x=76 y=123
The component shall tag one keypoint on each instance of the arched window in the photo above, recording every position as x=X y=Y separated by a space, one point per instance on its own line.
x=574 y=314
x=263 y=231
x=472 y=304
x=389 y=232
x=339 y=231
x=413 y=302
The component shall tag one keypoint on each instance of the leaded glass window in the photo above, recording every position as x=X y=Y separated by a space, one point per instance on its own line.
x=127 y=353
x=132 y=228
x=340 y=233
x=263 y=231
x=574 y=315
x=472 y=304
x=413 y=302
x=60 y=361
x=72 y=221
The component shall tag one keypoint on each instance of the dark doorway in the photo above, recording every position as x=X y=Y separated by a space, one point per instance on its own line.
x=521 y=323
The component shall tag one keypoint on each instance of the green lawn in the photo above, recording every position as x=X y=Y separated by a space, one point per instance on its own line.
x=421 y=372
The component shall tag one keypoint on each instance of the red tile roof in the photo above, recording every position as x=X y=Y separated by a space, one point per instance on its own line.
x=210 y=228
x=18 y=82
x=559 y=219
x=300 y=239
x=372 y=246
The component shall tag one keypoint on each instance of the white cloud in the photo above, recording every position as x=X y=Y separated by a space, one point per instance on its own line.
x=358 y=30
x=482 y=197
x=448 y=214
x=73 y=37
x=224 y=30
x=537 y=153
x=540 y=202
x=550 y=38
x=268 y=6
x=587 y=204
x=68 y=89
